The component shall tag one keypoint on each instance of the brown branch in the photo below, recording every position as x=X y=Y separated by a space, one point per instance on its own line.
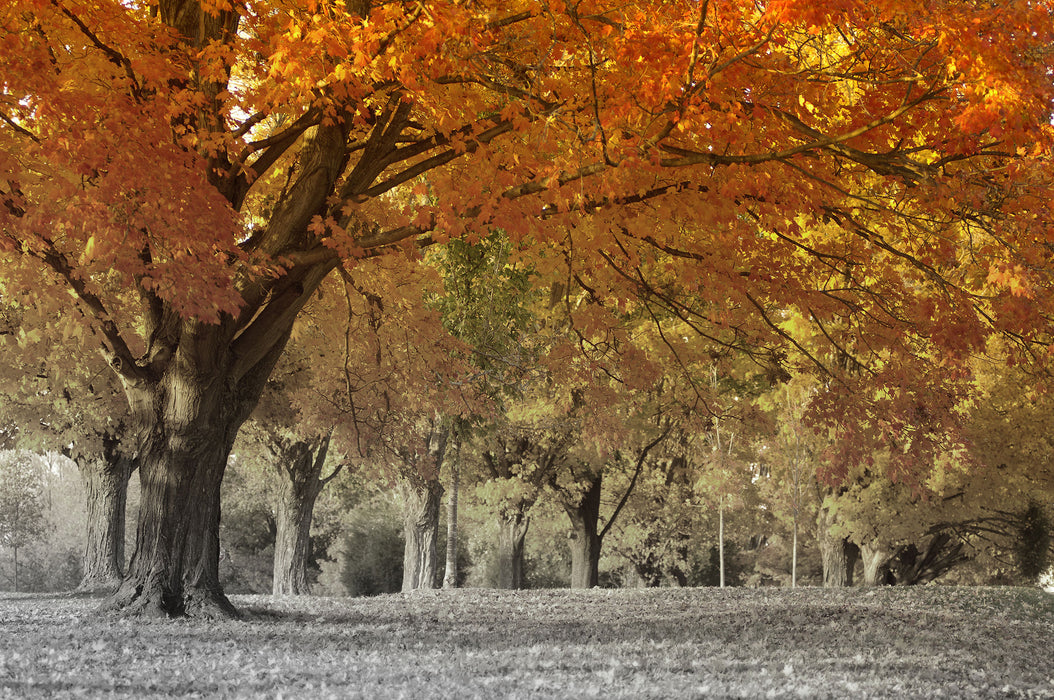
x=786 y=336
x=112 y=54
x=501 y=127
x=117 y=354
x=20 y=129
x=382 y=140
x=633 y=481
x=382 y=47
x=275 y=314
x=274 y=147
x=248 y=124
x=511 y=19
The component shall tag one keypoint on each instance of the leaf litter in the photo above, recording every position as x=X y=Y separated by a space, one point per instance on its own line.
x=930 y=641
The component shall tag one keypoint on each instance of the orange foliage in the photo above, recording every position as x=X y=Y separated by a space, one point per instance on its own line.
x=881 y=170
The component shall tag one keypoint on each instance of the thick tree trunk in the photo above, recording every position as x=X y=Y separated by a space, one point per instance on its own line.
x=187 y=421
x=106 y=489
x=837 y=553
x=421 y=535
x=301 y=483
x=875 y=558
x=175 y=567
x=512 y=531
x=585 y=538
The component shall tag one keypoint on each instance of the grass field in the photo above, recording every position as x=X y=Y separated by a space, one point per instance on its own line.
x=666 y=643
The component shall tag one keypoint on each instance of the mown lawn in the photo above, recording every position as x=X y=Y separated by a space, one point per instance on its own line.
x=668 y=643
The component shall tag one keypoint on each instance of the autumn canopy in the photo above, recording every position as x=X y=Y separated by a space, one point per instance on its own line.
x=857 y=186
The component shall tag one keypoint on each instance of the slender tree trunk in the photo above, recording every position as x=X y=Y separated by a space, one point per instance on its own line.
x=301 y=483
x=721 y=540
x=15 y=553
x=794 y=554
x=852 y=556
x=106 y=488
x=450 y=575
x=512 y=531
x=585 y=538
x=421 y=534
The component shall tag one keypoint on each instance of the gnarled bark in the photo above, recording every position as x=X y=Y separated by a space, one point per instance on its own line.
x=421 y=505
x=106 y=490
x=585 y=537
x=187 y=420
x=837 y=553
x=512 y=531
x=301 y=483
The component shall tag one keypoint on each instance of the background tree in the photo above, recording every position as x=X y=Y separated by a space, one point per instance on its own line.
x=240 y=153
x=22 y=504
x=367 y=556
x=63 y=403
x=789 y=457
x=489 y=303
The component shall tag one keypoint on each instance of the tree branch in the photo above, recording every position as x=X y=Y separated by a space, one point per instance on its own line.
x=115 y=349
x=633 y=481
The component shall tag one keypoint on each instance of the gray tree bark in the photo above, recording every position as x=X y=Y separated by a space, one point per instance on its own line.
x=421 y=506
x=585 y=537
x=301 y=484
x=106 y=490
x=186 y=422
x=838 y=554
x=450 y=574
x=512 y=532
x=875 y=557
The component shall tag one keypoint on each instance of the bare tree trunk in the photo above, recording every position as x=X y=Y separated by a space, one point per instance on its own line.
x=301 y=484
x=794 y=554
x=421 y=506
x=837 y=553
x=585 y=539
x=875 y=558
x=106 y=489
x=721 y=540
x=512 y=530
x=175 y=567
x=186 y=422
x=450 y=575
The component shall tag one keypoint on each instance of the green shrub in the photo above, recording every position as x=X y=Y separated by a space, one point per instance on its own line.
x=367 y=559
x=708 y=572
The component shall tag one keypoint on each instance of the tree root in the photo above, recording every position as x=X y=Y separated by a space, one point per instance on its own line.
x=134 y=599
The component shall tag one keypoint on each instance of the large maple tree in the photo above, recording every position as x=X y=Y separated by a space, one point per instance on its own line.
x=193 y=169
